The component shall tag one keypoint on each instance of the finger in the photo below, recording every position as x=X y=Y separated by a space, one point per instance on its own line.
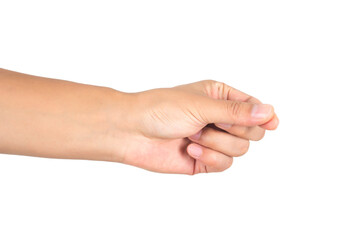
x=237 y=95
x=220 y=90
x=235 y=112
x=252 y=133
x=272 y=124
x=255 y=133
x=221 y=142
x=214 y=161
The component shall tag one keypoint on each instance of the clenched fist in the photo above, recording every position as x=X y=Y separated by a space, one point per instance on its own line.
x=192 y=128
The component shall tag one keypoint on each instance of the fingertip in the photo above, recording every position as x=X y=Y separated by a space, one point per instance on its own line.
x=194 y=150
x=272 y=124
x=262 y=113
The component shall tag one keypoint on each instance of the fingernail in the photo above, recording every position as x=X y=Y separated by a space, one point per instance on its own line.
x=224 y=125
x=261 y=111
x=195 y=150
x=196 y=136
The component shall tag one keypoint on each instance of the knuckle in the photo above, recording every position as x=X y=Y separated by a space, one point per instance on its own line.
x=213 y=159
x=208 y=86
x=226 y=164
x=246 y=146
x=209 y=82
x=216 y=89
x=229 y=163
x=223 y=165
x=235 y=109
x=216 y=160
x=242 y=148
x=219 y=85
x=259 y=136
x=214 y=83
x=241 y=131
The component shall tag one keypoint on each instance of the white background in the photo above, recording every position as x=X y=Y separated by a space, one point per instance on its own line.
x=301 y=181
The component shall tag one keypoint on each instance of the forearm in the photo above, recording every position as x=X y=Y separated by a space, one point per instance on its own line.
x=59 y=119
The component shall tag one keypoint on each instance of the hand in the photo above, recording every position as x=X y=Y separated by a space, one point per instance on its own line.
x=191 y=128
x=187 y=129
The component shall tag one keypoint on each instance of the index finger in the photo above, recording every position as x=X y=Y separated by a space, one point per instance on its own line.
x=237 y=95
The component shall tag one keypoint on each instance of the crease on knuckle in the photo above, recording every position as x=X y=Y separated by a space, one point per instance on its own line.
x=208 y=86
x=217 y=89
x=221 y=90
x=234 y=109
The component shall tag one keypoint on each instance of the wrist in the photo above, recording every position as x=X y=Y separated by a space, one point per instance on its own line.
x=99 y=126
x=116 y=124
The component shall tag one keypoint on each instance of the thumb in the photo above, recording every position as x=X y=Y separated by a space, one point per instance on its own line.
x=236 y=112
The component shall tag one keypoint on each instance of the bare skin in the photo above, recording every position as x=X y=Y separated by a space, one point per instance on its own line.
x=188 y=129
